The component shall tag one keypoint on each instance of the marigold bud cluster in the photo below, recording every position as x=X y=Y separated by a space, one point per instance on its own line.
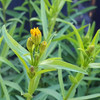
x=36 y=35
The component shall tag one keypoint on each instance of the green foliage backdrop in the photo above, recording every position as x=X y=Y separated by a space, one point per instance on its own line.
x=68 y=67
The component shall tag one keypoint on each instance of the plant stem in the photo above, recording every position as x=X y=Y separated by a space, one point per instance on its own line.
x=4 y=14
x=28 y=98
x=79 y=77
x=70 y=90
x=51 y=27
x=33 y=84
x=31 y=57
x=89 y=82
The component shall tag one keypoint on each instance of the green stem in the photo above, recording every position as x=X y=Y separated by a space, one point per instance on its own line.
x=51 y=27
x=4 y=14
x=89 y=82
x=68 y=8
x=36 y=56
x=31 y=53
x=28 y=98
x=70 y=91
x=30 y=91
x=79 y=77
x=33 y=84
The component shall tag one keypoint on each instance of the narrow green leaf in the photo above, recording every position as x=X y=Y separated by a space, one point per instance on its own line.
x=19 y=97
x=17 y=80
x=55 y=58
x=94 y=90
x=15 y=14
x=53 y=44
x=76 y=32
x=88 y=32
x=19 y=8
x=47 y=3
x=4 y=51
x=69 y=8
x=61 y=65
x=4 y=88
x=44 y=20
x=44 y=71
x=68 y=0
x=77 y=3
x=68 y=50
x=12 y=29
x=96 y=37
x=92 y=30
x=14 y=45
x=35 y=19
x=60 y=77
x=94 y=65
x=25 y=3
x=92 y=78
x=81 y=12
x=87 y=97
x=4 y=60
x=52 y=93
x=36 y=8
x=1 y=38
x=15 y=19
x=1 y=16
x=7 y=3
x=14 y=86
x=82 y=31
x=87 y=9
x=22 y=60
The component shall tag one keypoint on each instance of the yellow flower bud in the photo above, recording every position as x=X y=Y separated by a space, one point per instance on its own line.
x=42 y=47
x=36 y=35
x=29 y=44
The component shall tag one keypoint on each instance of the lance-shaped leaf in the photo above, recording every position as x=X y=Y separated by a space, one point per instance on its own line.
x=14 y=45
x=1 y=38
x=96 y=38
x=14 y=86
x=75 y=30
x=44 y=20
x=94 y=65
x=88 y=97
x=4 y=88
x=2 y=59
x=58 y=64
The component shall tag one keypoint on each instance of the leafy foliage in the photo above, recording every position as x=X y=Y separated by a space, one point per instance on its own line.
x=71 y=59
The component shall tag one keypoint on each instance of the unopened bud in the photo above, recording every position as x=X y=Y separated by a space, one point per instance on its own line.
x=43 y=46
x=29 y=44
x=90 y=49
x=36 y=35
x=31 y=69
x=86 y=41
x=31 y=72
